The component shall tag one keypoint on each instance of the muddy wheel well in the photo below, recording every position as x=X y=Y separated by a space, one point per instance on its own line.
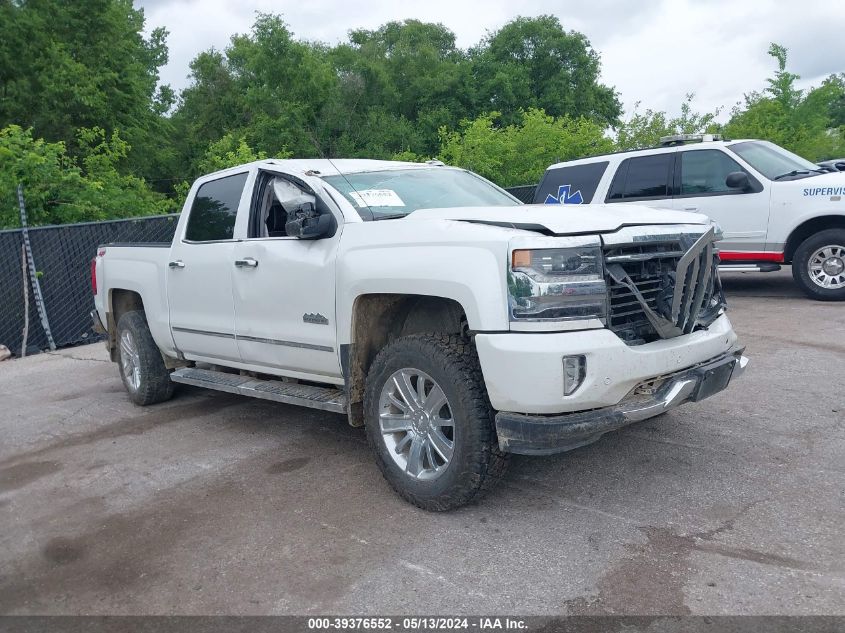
x=808 y=228
x=380 y=318
x=120 y=302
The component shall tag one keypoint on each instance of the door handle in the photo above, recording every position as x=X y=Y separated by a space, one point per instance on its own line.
x=177 y=264
x=246 y=262
x=690 y=208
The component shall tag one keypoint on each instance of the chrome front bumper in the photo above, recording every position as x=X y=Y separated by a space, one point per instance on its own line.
x=546 y=434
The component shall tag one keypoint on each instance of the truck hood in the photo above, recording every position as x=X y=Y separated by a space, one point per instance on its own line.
x=562 y=219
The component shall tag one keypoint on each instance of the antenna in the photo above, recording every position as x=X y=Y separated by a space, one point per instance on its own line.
x=322 y=155
x=360 y=198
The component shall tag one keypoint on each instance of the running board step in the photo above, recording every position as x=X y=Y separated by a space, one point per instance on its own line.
x=325 y=398
x=749 y=268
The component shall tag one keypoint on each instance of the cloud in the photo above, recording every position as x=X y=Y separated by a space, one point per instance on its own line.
x=652 y=51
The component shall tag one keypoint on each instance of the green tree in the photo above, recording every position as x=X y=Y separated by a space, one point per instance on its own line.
x=803 y=122
x=836 y=106
x=58 y=189
x=266 y=87
x=71 y=65
x=644 y=129
x=398 y=85
x=229 y=151
x=518 y=154
x=535 y=63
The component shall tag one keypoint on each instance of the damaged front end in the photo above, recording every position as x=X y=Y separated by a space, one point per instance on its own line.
x=662 y=283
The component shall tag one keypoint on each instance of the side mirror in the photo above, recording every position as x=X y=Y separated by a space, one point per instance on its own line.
x=306 y=224
x=738 y=180
x=840 y=165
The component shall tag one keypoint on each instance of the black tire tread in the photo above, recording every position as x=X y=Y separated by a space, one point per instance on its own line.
x=801 y=257
x=156 y=385
x=488 y=463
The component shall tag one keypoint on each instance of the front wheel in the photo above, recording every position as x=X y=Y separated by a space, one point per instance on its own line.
x=430 y=423
x=141 y=365
x=818 y=266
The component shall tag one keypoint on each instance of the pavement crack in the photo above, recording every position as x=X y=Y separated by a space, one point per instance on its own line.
x=77 y=358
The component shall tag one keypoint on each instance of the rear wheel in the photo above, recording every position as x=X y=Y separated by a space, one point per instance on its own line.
x=430 y=423
x=141 y=365
x=818 y=266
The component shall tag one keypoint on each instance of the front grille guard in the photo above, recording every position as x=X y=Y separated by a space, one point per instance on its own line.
x=686 y=297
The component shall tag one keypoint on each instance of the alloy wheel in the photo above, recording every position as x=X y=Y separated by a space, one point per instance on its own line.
x=416 y=424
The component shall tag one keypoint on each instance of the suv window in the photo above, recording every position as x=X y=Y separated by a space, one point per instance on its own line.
x=575 y=184
x=214 y=209
x=704 y=171
x=642 y=177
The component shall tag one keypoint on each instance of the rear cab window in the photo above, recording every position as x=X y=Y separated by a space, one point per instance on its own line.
x=215 y=208
x=573 y=184
x=643 y=178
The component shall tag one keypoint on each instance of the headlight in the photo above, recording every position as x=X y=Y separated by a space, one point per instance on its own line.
x=551 y=284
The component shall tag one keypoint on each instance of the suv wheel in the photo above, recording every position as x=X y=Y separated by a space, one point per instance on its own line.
x=430 y=423
x=818 y=266
x=141 y=365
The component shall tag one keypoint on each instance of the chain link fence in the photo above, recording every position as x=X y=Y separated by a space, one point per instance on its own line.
x=62 y=256
x=525 y=193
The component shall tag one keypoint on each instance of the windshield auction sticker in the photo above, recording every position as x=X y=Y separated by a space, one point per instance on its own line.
x=377 y=198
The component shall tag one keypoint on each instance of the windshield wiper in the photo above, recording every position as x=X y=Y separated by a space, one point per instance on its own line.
x=798 y=172
x=391 y=216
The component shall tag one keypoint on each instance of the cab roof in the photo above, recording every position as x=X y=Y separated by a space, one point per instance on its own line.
x=649 y=151
x=330 y=167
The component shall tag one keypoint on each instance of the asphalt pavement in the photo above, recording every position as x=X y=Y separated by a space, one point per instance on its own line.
x=219 y=504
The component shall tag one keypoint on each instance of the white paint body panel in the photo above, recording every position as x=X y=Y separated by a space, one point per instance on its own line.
x=138 y=269
x=791 y=207
x=524 y=372
x=200 y=296
x=450 y=253
x=293 y=277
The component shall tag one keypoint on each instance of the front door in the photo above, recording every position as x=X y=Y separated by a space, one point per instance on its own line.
x=743 y=215
x=199 y=274
x=284 y=290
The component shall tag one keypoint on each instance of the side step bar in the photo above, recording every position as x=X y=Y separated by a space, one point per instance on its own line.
x=749 y=268
x=325 y=398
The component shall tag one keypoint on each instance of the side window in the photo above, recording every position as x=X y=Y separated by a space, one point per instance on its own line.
x=642 y=177
x=570 y=185
x=278 y=200
x=704 y=171
x=214 y=209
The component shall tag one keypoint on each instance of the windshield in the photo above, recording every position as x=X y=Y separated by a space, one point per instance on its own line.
x=398 y=192
x=772 y=160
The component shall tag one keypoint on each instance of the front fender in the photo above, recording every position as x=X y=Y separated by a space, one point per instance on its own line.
x=472 y=275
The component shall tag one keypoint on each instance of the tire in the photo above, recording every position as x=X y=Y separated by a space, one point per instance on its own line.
x=474 y=461
x=141 y=365
x=819 y=259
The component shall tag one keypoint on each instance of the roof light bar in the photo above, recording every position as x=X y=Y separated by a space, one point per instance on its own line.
x=680 y=139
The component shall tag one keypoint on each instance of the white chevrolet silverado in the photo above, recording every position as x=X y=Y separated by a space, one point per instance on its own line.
x=426 y=304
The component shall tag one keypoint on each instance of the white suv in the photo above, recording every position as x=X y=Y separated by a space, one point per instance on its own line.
x=774 y=207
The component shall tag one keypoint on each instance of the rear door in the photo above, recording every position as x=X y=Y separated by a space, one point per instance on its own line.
x=284 y=287
x=743 y=214
x=199 y=275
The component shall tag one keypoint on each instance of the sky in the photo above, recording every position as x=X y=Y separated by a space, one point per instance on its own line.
x=652 y=51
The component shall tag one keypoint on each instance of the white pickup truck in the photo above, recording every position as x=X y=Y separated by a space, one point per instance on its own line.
x=426 y=304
